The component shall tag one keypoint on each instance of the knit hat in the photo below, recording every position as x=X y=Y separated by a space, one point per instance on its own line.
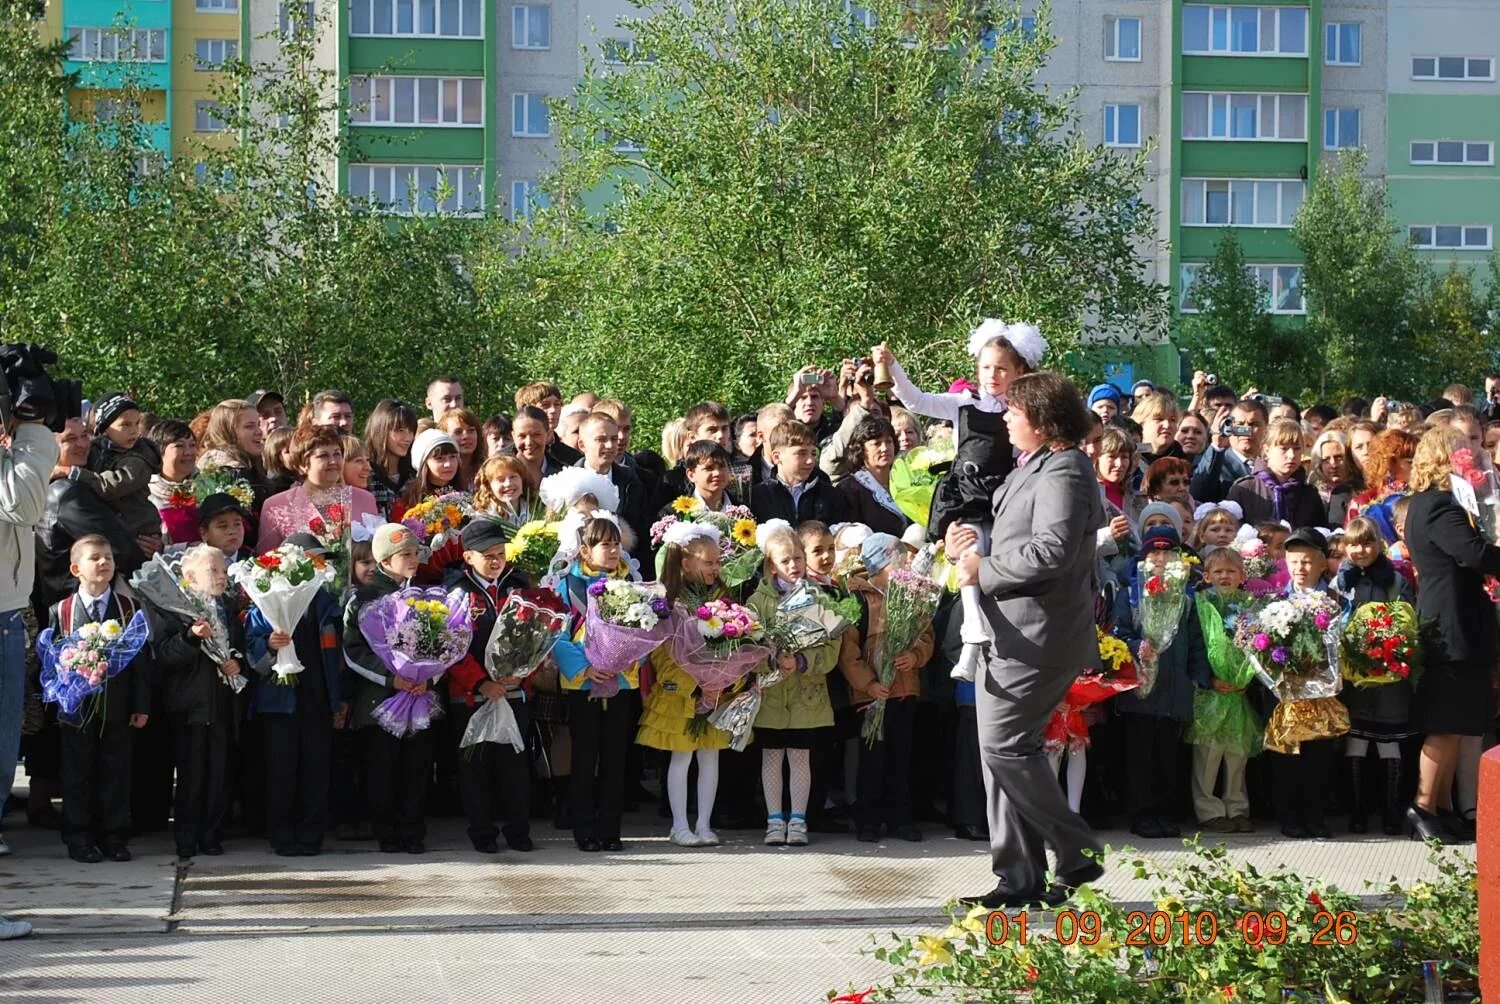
x=426 y=442
x=1140 y=385
x=1308 y=537
x=483 y=533
x=878 y=551
x=1105 y=392
x=391 y=539
x=1160 y=538
x=308 y=543
x=1166 y=509
x=217 y=504
x=112 y=407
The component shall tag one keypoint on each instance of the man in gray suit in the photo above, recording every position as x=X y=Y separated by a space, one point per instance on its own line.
x=1038 y=584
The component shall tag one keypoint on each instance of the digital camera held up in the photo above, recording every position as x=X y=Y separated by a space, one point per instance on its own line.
x=30 y=394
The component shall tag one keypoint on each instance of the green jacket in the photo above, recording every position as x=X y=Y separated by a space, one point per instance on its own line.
x=358 y=657
x=800 y=701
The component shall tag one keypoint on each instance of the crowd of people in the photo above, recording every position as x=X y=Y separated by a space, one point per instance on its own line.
x=199 y=736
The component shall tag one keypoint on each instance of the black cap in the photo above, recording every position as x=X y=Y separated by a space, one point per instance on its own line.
x=483 y=533
x=257 y=397
x=308 y=543
x=1309 y=538
x=111 y=407
x=217 y=504
x=1160 y=538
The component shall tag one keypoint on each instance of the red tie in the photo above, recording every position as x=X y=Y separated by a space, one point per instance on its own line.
x=494 y=592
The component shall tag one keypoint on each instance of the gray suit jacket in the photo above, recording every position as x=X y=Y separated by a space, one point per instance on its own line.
x=1039 y=580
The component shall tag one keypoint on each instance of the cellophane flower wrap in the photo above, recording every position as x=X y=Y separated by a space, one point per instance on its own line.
x=532 y=548
x=911 y=599
x=1163 y=598
x=418 y=634
x=79 y=665
x=436 y=519
x=623 y=623
x=1067 y=729
x=334 y=528
x=741 y=559
x=1293 y=644
x=216 y=480
x=915 y=476
x=528 y=624
x=160 y=583
x=282 y=584
x=716 y=643
x=1225 y=720
x=1381 y=644
x=1477 y=489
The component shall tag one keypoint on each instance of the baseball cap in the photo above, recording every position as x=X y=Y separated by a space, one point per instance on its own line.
x=391 y=539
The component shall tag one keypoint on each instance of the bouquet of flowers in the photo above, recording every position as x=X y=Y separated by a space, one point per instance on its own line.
x=77 y=666
x=915 y=476
x=1067 y=730
x=333 y=528
x=1225 y=719
x=1476 y=488
x=1293 y=644
x=532 y=548
x=527 y=626
x=625 y=620
x=160 y=583
x=418 y=634
x=736 y=526
x=213 y=480
x=716 y=644
x=436 y=519
x=282 y=584
x=1381 y=644
x=1163 y=598
x=910 y=601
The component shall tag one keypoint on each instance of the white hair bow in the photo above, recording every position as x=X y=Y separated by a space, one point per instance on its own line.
x=1245 y=532
x=1026 y=339
x=560 y=490
x=1233 y=508
x=764 y=531
x=365 y=529
x=682 y=533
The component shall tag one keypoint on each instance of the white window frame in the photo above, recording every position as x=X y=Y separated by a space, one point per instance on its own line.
x=1112 y=123
x=1255 y=193
x=216 y=6
x=204 y=117
x=375 y=101
x=118 y=45
x=1228 y=97
x=521 y=108
x=1332 y=137
x=400 y=176
x=227 y=48
x=1331 y=33
x=309 y=21
x=1437 y=64
x=521 y=17
x=1274 y=288
x=526 y=196
x=1436 y=161
x=1112 y=25
x=1431 y=243
x=442 y=29
x=1267 y=43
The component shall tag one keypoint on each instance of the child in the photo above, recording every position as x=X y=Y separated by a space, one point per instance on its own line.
x=435 y=458
x=96 y=753
x=847 y=539
x=397 y=769
x=600 y=729
x=1224 y=730
x=505 y=490
x=120 y=466
x=799 y=491
x=795 y=714
x=1278 y=491
x=885 y=765
x=490 y=775
x=221 y=525
x=818 y=549
x=200 y=703
x=1376 y=714
x=299 y=716
x=706 y=466
x=1274 y=536
x=1300 y=780
x=1154 y=721
x=1218 y=522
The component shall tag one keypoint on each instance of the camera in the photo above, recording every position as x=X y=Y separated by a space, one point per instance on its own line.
x=811 y=378
x=29 y=394
x=868 y=376
x=1269 y=400
x=1212 y=379
x=1228 y=427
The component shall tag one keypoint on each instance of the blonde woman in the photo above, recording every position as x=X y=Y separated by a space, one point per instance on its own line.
x=672 y=445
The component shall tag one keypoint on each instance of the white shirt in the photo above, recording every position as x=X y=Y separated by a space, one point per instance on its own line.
x=943 y=406
x=91 y=603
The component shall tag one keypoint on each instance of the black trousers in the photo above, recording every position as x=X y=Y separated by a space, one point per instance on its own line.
x=884 y=785
x=968 y=807
x=1300 y=782
x=492 y=776
x=346 y=777
x=96 y=783
x=297 y=748
x=1152 y=779
x=601 y=737
x=202 y=796
x=396 y=775
x=151 y=770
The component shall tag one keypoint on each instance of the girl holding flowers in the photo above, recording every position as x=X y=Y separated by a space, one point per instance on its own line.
x=389 y=433
x=504 y=488
x=435 y=457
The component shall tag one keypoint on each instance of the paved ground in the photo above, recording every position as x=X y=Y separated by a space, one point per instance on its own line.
x=742 y=923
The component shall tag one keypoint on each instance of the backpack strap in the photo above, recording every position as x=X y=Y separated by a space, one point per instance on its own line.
x=65 y=613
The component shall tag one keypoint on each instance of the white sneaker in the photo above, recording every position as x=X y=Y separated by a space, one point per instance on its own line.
x=775 y=832
x=684 y=838
x=796 y=832
x=11 y=929
x=967 y=666
x=707 y=838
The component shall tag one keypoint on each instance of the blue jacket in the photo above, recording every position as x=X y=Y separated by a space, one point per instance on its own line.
x=1182 y=669
x=318 y=641
x=572 y=661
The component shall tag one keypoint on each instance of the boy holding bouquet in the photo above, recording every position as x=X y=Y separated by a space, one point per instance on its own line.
x=96 y=752
x=489 y=774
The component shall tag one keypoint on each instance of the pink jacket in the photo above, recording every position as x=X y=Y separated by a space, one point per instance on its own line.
x=293 y=512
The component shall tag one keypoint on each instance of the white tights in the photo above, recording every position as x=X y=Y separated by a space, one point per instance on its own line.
x=708 y=786
x=974 y=629
x=770 y=780
x=1078 y=764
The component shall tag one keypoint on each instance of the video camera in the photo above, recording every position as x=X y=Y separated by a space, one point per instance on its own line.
x=29 y=394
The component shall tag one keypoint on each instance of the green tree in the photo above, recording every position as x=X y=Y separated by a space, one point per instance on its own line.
x=763 y=184
x=1359 y=276
x=1449 y=320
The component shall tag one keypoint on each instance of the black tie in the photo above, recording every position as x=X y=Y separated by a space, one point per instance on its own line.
x=99 y=611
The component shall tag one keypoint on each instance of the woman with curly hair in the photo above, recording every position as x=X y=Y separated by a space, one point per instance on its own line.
x=1387 y=473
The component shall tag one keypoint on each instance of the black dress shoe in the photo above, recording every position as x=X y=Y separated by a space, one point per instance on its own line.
x=416 y=847
x=1146 y=828
x=908 y=832
x=1295 y=831
x=1424 y=825
x=310 y=850
x=390 y=847
x=587 y=844
x=86 y=853
x=868 y=836
x=1319 y=831
x=1004 y=898
x=521 y=844
x=971 y=833
x=117 y=852
x=1091 y=872
x=187 y=850
x=212 y=848
x=612 y=844
x=1458 y=829
x=1165 y=828
x=286 y=852
x=490 y=846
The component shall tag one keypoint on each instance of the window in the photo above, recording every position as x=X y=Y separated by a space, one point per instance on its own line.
x=1226 y=202
x=991 y=36
x=117 y=110
x=206 y=117
x=525 y=198
x=305 y=22
x=425 y=101
x=150 y=163
x=430 y=18
x=859 y=17
x=211 y=53
x=1450 y=237
x=1122 y=125
x=119 y=45
x=1122 y=39
x=528 y=115
x=619 y=51
x=216 y=6
x=1341 y=43
x=1281 y=284
x=530 y=27
x=1340 y=128
x=1244 y=30
x=1243 y=115
x=1452 y=68
x=1452 y=152
x=392 y=187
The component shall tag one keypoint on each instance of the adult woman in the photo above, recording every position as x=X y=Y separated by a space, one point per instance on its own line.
x=357 y=464
x=867 y=489
x=1455 y=694
x=463 y=425
x=389 y=432
x=908 y=430
x=320 y=504
x=1038 y=585
x=1387 y=468
x=172 y=487
x=232 y=443
x=276 y=458
x=1328 y=472
x=1361 y=435
x=1157 y=416
x=1167 y=480
x=1192 y=436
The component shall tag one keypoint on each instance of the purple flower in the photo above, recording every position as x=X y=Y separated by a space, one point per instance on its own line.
x=659 y=607
x=596 y=588
x=1278 y=654
x=1261 y=641
x=1322 y=620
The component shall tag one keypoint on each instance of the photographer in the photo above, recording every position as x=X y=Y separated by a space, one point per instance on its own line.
x=857 y=381
x=1231 y=455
